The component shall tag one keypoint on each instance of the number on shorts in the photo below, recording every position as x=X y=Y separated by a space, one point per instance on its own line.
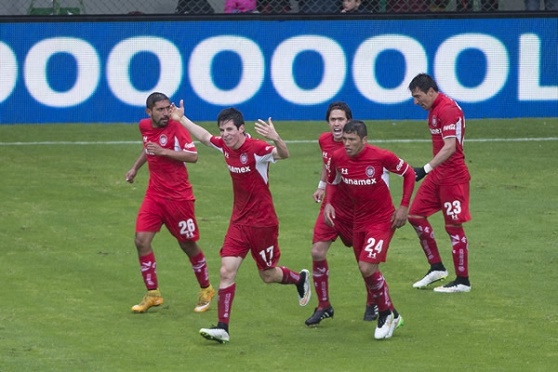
x=453 y=209
x=373 y=247
x=187 y=228
x=267 y=255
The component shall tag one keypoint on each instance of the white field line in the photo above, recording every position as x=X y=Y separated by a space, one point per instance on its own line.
x=81 y=143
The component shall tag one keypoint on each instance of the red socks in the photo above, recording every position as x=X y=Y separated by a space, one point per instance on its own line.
x=379 y=288
x=427 y=240
x=320 y=274
x=225 y=300
x=148 y=271
x=200 y=269
x=289 y=276
x=460 y=250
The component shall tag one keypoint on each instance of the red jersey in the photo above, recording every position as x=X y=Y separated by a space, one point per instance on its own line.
x=369 y=193
x=341 y=201
x=249 y=169
x=445 y=120
x=168 y=178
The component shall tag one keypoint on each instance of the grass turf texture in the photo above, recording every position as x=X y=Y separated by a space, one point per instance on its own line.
x=70 y=271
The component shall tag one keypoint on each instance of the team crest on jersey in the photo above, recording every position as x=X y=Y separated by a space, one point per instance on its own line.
x=434 y=121
x=243 y=158
x=163 y=140
x=370 y=171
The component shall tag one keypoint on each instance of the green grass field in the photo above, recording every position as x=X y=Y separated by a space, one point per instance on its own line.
x=69 y=269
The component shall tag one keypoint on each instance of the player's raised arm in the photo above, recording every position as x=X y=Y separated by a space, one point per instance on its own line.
x=177 y=113
x=267 y=130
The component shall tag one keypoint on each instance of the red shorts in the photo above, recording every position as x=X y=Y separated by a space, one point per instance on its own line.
x=177 y=215
x=452 y=200
x=325 y=233
x=262 y=242
x=372 y=245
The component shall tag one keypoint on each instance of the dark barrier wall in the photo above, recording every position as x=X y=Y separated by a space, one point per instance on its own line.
x=56 y=72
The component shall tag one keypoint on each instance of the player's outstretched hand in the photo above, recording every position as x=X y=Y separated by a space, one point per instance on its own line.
x=267 y=130
x=177 y=112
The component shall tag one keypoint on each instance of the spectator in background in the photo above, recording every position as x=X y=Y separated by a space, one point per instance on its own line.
x=193 y=7
x=319 y=6
x=274 y=6
x=463 y=5
x=489 y=5
x=352 y=6
x=534 y=5
x=467 y=5
x=376 y=6
x=240 y=6
x=439 y=5
x=408 y=6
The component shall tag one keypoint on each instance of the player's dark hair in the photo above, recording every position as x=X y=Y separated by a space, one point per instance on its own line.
x=356 y=126
x=339 y=105
x=424 y=82
x=231 y=114
x=154 y=98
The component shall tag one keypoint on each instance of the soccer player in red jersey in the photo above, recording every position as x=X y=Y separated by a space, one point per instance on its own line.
x=360 y=167
x=445 y=188
x=253 y=227
x=169 y=200
x=337 y=115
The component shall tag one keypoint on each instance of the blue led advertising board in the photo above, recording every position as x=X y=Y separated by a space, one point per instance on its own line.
x=102 y=72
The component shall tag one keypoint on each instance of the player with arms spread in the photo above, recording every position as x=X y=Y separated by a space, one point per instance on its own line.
x=337 y=115
x=360 y=167
x=253 y=227
x=169 y=200
x=445 y=188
